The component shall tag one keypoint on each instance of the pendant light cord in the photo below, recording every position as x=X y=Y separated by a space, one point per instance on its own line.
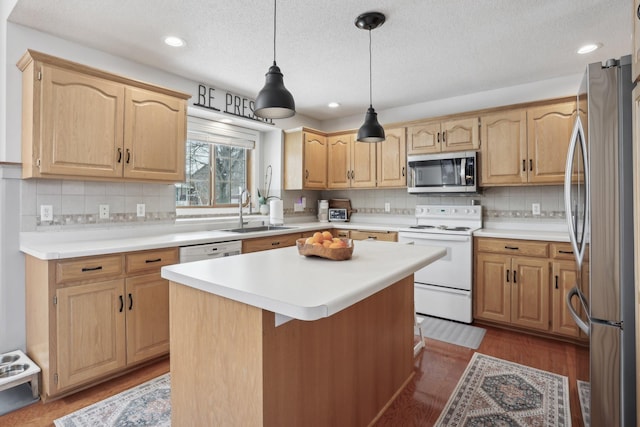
x=370 y=86
x=274 y=31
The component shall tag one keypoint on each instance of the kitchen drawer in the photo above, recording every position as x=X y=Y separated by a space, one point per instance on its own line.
x=386 y=236
x=271 y=242
x=80 y=269
x=147 y=261
x=341 y=233
x=564 y=251
x=513 y=247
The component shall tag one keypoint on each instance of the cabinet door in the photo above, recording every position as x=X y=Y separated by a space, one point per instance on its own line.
x=424 y=139
x=154 y=136
x=315 y=161
x=563 y=276
x=90 y=331
x=492 y=291
x=504 y=148
x=460 y=135
x=530 y=293
x=635 y=66
x=363 y=164
x=392 y=159
x=339 y=161
x=549 y=132
x=147 y=308
x=81 y=120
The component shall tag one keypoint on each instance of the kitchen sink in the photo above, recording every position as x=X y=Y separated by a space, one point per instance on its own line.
x=259 y=228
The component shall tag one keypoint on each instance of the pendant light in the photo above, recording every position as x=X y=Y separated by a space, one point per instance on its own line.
x=370 y=131
x=274 y=101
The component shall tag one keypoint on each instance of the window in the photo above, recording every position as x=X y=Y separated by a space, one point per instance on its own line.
x=217 y=165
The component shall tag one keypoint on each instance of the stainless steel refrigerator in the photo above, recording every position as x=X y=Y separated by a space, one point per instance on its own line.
x=599 y=210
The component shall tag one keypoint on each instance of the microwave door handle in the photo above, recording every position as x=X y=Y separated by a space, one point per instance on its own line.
x=463 y=171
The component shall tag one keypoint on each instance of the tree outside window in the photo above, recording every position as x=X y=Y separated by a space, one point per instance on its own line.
x=214 y=173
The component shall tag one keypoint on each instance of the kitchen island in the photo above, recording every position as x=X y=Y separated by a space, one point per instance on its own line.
x=277 y=339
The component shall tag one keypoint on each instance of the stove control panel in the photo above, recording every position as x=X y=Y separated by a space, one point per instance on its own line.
x=428 y=211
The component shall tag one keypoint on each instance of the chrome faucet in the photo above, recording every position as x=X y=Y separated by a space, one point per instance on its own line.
x=243 y=193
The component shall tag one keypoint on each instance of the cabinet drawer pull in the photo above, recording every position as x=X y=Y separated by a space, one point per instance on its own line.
x=508 y=276
x=148 y=261
x=566 y=252
x=85 y=269
x=524 y=165
x=556 y=281
x=403 y=171
x=438 y=137
x=530 y=164
x=121 y=303
x=515 y=277
x=119 y=155
x=130 y=302
x=275 y=243
x=513 y=248
x=444 y=133
x=128 y=155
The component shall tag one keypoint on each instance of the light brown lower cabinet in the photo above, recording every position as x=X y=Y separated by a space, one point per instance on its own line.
x=519 y=284
x=271 y=242
x=92 y=318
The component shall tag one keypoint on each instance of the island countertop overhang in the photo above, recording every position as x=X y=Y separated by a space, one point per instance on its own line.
x=304 y=288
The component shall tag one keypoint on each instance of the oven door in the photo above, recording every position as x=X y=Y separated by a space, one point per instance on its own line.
x=454 y=269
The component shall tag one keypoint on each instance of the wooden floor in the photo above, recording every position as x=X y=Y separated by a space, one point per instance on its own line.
x=438 y=369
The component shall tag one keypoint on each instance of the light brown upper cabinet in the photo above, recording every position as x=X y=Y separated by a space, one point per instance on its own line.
x=440 y=136
x=526 y=145
x=351 y=164
x=635 y=67
x=79 y=122
x=392 y=159
x=305 y=160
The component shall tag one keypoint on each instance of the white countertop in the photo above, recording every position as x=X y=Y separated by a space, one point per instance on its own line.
x=59 y=245
x=305 y=288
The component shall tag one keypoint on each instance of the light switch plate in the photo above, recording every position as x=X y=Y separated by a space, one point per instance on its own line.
x=104 y=211
x=46 y=213
x=140 y=209
x=387 y=207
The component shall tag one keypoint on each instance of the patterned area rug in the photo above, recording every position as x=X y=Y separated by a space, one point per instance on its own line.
x=495 y=392
x=584 y=391
x=148 y=404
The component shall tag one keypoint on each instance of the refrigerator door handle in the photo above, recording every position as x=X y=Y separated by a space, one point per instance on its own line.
x=581 y=323
x=577 y=142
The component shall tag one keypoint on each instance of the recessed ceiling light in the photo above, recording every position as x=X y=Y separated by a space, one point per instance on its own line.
x=333 y=104
x=174 y=41
x=226 y=120
x=588 y=48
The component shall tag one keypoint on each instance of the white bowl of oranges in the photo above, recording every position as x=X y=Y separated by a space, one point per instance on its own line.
x=323 y=244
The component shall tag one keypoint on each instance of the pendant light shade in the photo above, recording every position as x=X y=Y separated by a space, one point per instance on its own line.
x=370 y=131
x=274 y=101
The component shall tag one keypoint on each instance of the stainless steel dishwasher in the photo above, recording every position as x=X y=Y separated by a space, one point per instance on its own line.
x=210 y=251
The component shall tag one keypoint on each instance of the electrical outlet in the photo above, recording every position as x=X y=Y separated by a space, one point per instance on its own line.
x=535 y=208
x=46 y=213
x=140 y=210
x=387 y=207
x=303 y=202
x=104 y=211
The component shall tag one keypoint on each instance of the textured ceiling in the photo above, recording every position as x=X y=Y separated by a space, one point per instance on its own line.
x=427 y=49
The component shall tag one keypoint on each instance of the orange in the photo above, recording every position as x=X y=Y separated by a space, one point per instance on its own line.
x=327 y=235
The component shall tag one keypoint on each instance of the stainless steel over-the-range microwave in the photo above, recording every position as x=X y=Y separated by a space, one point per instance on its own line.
x=443 y=173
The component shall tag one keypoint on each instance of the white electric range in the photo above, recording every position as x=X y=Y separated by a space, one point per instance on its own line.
x=443 y=288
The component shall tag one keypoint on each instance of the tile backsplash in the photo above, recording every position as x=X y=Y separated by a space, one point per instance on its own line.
x=76 y=203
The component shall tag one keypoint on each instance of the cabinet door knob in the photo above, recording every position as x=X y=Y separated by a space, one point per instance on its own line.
x=524 y=165
x=121 y=303
x=403 y=171
x=119 y=155
x=438 y=137
x=306 y=173
x=128 y=155
x=638 y=12
x=530 y=164
x=130 y=302
x=444 y=133
x=508 y=275
x=556 y=281
x=515 y=277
